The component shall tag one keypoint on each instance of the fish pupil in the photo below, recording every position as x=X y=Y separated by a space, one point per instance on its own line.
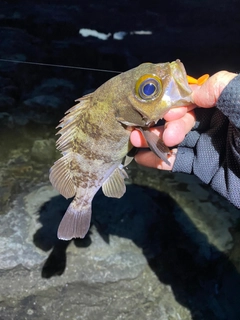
x=149 y=89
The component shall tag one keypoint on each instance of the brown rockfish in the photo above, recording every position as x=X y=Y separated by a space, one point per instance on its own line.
x=95 y=136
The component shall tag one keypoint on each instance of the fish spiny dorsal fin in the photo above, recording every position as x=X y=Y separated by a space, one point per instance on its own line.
x=69 y=125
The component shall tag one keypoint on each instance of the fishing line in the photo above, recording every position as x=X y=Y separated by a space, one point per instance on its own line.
x=58 y=65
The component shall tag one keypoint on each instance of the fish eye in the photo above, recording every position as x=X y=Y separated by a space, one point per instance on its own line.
x=148 y=87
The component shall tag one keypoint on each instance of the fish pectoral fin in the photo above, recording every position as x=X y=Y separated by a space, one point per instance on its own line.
x=156 y=145
x=114 y=186
x=60 y=177
x=75 y=222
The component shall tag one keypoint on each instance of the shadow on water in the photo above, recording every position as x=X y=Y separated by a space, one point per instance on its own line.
x=201 y=277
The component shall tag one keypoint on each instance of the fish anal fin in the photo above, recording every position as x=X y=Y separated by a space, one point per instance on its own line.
x=114 y=186
x=60 y=176
x=156 y=145
x=75 y=222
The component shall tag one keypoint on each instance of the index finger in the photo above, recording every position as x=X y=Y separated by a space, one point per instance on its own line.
x=178 y=112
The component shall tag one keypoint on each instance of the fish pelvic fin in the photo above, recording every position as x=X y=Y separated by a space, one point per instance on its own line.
x=75 y=223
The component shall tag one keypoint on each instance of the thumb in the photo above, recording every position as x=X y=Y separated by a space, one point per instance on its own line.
x=207 y=95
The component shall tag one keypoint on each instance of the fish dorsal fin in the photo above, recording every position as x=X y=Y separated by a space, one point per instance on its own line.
x=156 y=145
x=69 y=124
x=60 y=173
x=114 y=186
x=60 y=176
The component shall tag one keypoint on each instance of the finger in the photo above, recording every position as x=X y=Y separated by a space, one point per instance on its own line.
x=149 y=159
x=139 y=141
x=207 y=95
x=178 y=112
x=175 y=131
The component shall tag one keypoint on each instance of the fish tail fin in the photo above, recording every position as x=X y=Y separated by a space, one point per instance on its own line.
x=75 y=223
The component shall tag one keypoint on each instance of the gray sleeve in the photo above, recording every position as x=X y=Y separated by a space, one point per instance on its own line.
x=211 y=150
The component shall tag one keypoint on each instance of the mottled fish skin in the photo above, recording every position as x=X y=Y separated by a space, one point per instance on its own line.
x=95 y=136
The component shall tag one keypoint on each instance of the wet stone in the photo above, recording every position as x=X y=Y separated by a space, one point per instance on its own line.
x=6 y=120
x=43 y=150
x=6 y=103
x=101 y=270
x=143 y=257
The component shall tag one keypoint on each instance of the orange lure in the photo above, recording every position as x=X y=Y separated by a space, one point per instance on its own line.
x=198 y=81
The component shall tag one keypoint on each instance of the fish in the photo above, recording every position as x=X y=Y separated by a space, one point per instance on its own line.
x=95 y=136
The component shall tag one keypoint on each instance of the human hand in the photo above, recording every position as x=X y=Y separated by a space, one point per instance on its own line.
x=179 y=121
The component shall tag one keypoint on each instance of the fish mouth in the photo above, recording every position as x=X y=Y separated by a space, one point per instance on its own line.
x=151 y=123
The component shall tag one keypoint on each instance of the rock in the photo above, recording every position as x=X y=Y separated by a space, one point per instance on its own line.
x=44 y=150
x=137 y=259
x=6 y=120
x=6 y=103
x=51 y=85
x=24 y=43
x=10 y=90
x=9 y=93
x=111 y=271
x=48 y=100
x=43 y=101
x=7 y=189
x=43 y=109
